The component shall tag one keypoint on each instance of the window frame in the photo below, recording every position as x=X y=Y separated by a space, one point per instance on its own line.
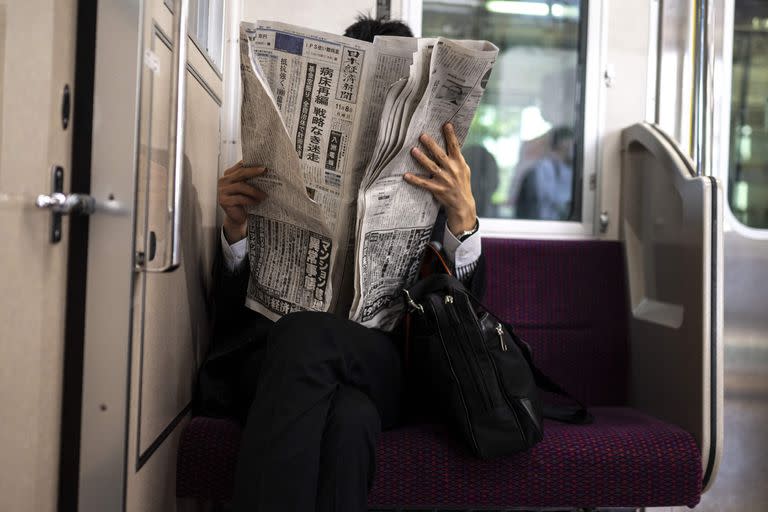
x=722 y=140
x=217 y=67
x=592 y=112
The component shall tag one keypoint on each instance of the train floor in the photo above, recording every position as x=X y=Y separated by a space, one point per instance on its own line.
x=742 y=481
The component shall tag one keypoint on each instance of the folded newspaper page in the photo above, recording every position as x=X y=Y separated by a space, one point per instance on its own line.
x=332 y=118
x=394 y=218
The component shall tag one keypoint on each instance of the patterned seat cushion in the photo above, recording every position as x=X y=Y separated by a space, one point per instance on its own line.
x=568 y=300
x=624 y=459
x=205 y=467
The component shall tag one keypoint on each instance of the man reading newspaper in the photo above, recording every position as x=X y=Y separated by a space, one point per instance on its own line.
x=315 y=387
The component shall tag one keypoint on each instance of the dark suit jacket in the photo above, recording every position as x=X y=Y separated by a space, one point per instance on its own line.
x=227 y=379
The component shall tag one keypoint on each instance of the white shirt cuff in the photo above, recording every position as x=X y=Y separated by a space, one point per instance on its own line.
x=463 y=253
x=234 y=255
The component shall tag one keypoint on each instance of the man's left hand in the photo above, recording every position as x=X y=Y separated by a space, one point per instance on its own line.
x=448 y=180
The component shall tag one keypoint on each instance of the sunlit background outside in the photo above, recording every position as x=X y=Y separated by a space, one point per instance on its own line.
x=748 y=177
x=535 y=89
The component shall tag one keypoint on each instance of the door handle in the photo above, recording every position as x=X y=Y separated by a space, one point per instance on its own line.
x=175 y=139
x=59 y=203
x=67 y=204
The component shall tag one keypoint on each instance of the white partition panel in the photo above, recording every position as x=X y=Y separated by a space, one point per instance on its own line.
x=671 y=225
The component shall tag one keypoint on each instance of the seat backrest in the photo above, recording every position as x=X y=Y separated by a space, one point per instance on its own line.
x=568 y=300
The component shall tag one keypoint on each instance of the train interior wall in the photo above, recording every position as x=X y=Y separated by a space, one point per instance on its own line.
x=164 y=356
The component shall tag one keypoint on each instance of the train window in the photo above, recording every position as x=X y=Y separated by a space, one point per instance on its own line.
x=524 y=146
x=205 y=26
x=748 y=176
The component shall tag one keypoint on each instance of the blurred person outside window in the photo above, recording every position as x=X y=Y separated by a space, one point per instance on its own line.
x=546 y=192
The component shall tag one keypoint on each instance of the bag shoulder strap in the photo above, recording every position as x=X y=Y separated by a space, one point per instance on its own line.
x=433 y=262
x=578 y=414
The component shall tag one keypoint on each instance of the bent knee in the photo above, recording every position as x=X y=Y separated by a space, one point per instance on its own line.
x=353 y=411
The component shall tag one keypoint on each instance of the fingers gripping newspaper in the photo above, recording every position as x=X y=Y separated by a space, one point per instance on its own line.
x=315 y=109
x=395 y=219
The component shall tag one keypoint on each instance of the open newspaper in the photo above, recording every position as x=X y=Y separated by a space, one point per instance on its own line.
x=333 y=120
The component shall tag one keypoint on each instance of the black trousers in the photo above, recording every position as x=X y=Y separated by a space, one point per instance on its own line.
x=327 y=387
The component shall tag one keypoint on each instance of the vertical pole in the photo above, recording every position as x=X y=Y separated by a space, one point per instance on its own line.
x=703 y=102
x=230 y=109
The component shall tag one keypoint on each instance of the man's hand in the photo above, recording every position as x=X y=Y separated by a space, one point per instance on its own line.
x=449 y=181
x=235 y=195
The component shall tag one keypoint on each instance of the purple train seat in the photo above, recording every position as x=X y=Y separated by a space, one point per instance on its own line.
x=568 y=300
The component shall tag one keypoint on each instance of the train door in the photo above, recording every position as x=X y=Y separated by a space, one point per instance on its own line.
x=37 y=71
x=743 y=169
x=738 y=50
x=745 y=172
x=154 y=159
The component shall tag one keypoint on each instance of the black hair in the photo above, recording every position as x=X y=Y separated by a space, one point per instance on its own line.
x=366 y=28
x=560 y=134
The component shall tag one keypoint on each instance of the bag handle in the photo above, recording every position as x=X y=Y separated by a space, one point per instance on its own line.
x=432 y=256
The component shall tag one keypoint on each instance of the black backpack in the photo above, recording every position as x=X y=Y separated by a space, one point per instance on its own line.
x=476 y=372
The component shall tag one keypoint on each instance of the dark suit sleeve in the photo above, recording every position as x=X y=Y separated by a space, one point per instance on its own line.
x=228 y=375
x=228 y=293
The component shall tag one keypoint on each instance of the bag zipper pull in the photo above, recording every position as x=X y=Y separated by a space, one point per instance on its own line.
x=500 y=331
x=448 y=300
x=412 y=304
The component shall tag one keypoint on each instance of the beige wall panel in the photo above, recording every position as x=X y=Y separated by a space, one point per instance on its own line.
x=176 y=316
x=3 y=32
x=163 y=17
x=626 y=43
x=36 y=60
x=153 y=488
x=207 y=70
x=171 y=311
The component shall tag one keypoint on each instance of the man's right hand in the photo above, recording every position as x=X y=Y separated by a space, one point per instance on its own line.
x=235 y=195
